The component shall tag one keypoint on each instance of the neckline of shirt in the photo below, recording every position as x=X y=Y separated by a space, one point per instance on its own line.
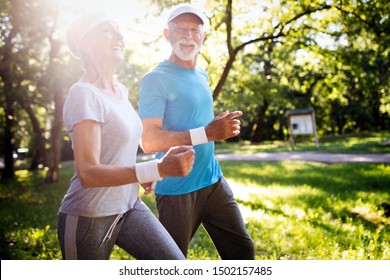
x=102 y=93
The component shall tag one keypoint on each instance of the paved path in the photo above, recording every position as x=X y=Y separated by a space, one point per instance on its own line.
x=300 y=156
x=308 y=156
x=292 y=156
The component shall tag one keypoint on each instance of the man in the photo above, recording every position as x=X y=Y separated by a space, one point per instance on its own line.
x=176 y=108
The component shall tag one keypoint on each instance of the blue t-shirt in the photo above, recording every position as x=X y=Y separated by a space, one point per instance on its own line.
x=182 y=99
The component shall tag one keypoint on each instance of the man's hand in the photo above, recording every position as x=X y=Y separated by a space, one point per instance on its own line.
x=177 y=162
x=224 y=126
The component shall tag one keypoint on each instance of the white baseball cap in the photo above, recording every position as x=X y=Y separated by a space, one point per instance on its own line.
x=185 y=8
x=81 y=26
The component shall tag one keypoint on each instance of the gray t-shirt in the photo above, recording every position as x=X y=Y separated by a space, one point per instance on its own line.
x=121 y=130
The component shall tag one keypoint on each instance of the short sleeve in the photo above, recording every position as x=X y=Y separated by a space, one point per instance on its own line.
x=152 y=101
x=82 y=103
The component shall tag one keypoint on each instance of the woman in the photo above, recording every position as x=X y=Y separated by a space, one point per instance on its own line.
x=102 y=207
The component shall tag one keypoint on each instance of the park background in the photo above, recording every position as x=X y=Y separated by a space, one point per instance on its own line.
x=263 y=58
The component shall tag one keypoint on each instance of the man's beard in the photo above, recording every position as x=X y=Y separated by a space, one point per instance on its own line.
x=183 y=55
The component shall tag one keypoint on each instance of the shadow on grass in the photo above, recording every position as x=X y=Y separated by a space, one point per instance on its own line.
x=28 y=210
x=344 y=180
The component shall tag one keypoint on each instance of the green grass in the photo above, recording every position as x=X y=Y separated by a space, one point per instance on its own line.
x=28 y=212
x=314 y=211
x=293 y=210
x=352 y=143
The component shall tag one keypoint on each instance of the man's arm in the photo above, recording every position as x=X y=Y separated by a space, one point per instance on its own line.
x=155 y=139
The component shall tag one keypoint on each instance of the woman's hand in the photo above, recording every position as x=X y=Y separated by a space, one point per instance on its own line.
x=148 y=187
x=177 y=162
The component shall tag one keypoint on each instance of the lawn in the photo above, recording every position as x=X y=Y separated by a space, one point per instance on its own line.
x=292 y=210
x=348 y=143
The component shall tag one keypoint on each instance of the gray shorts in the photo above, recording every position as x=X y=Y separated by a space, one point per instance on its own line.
x=137 y=231
x=214 y=207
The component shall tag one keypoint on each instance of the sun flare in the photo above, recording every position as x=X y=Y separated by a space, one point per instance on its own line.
x=139 y=21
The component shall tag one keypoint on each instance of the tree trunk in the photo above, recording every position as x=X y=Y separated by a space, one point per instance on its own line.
x=9 y=166
x=53 y=175
x=5 y=74
x=38 y=147
x=259 y=125
x=55 y=85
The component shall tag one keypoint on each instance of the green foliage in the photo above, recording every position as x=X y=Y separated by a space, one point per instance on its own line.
x=330 y=56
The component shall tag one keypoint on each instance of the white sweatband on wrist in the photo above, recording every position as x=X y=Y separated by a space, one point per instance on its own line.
x=198 y=136
x=147 y=171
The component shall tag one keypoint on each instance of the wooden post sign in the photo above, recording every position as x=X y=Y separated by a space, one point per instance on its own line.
x=302 y=122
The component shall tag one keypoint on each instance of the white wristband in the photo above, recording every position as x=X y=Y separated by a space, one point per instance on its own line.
x=147 y=171
x=198 y=136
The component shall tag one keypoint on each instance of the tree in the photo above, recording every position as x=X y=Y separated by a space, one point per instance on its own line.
x=33 y=79
x=295 y=28
x=9 y=74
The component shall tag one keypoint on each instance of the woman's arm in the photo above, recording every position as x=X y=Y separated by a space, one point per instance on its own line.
x=86 y=135
x=91 y=172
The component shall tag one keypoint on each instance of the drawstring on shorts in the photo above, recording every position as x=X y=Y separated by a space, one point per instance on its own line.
x=108 y=235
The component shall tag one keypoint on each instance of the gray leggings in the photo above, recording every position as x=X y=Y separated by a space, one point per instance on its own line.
x=137 y=231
